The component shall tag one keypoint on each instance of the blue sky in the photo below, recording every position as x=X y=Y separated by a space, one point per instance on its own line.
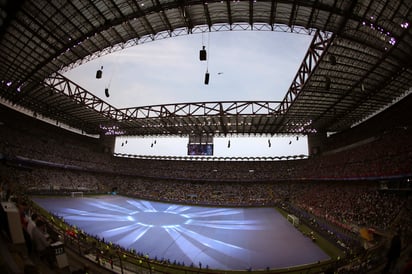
x=243 y=65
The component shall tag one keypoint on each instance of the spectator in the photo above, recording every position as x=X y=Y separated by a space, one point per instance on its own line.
x=24 y=220
x=32 y=224
x=393 y=253
x=42 y=243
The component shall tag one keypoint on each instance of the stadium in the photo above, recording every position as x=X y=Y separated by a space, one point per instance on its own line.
x=343 y=208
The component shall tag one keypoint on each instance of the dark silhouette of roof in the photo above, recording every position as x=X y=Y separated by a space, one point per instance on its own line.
x=358 y=63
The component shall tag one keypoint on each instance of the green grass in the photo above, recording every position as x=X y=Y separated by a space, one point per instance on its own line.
x=328 y=247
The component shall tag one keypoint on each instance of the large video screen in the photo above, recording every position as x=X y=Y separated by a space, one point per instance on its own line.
x=200 y=149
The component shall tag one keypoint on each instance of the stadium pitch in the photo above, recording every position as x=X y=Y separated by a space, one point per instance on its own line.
x=213 y=237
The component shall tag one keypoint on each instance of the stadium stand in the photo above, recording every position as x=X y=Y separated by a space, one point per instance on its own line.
x=355 y=182
x=339 y=191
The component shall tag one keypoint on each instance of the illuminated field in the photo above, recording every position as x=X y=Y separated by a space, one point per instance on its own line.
x=220 y=238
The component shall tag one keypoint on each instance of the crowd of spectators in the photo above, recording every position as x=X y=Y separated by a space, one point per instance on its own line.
x=386 y=155
x=333 y=209
x=37 y=237
x=67 y=162
x=383 y=156
x=342 y=186
x=360 y=204
x=346 y=204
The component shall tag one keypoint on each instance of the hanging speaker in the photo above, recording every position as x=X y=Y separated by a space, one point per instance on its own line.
x=106 y=92
x=99 y=73
x=202 y=54
x=207 y=78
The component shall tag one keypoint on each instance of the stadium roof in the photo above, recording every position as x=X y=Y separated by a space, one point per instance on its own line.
x=358 y=63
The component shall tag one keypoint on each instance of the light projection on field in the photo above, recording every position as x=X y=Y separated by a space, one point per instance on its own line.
x=217 y=238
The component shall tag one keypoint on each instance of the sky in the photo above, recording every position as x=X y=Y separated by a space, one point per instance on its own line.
x=243 y=65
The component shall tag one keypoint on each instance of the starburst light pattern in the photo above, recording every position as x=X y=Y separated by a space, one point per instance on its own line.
x=218 y=238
